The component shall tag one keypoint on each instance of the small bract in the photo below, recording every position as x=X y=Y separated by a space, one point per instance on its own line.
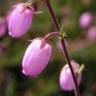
x=66 y=80
x=20 y=20
x=36 y=58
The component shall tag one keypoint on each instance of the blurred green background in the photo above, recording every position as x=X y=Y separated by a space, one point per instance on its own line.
x=81 y=48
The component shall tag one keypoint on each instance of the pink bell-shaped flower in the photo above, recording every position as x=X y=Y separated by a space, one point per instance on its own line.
x=85 y=20
x=91 y=34
x=66 y=80
x=36 y=58
x=2 y=27
x=20 y=20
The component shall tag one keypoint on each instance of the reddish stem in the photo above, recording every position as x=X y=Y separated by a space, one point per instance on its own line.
x=49 y=35
x=77 y=93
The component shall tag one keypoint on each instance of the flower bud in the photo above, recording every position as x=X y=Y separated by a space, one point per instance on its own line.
x=20 y=20
x=66 y=80
x=85 y=20
x=2 y=27
x=36 y=58
x=91 y=34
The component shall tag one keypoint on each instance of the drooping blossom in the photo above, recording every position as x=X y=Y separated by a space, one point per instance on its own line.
x=85 y=20
x=66 y=80
x=91 y=34
x=36 y=58
x=19 y=20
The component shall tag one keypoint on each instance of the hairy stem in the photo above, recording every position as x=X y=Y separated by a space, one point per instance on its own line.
x=76 y=89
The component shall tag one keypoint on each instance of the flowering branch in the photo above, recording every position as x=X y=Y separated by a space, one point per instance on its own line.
x=77 y=93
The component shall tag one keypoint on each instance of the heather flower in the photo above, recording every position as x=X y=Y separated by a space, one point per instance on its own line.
x=85 y=20
x=91 y=34
x=2 y=27
x=20 y=20
x=66 y=80
x=36 y=58
x=8 y=14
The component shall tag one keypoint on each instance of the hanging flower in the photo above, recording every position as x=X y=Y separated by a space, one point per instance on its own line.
x=66 y=80
x=36 y=58
x=85 y=20
x=20 y=20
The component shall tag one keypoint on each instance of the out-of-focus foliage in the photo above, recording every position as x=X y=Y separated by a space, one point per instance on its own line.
x=80 y=48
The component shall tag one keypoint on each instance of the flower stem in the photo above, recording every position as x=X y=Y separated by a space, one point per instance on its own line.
x=76 y=89
x=49 y=35
x=52 y=14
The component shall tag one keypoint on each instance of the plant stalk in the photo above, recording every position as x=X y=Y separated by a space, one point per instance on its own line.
x=76 y=89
